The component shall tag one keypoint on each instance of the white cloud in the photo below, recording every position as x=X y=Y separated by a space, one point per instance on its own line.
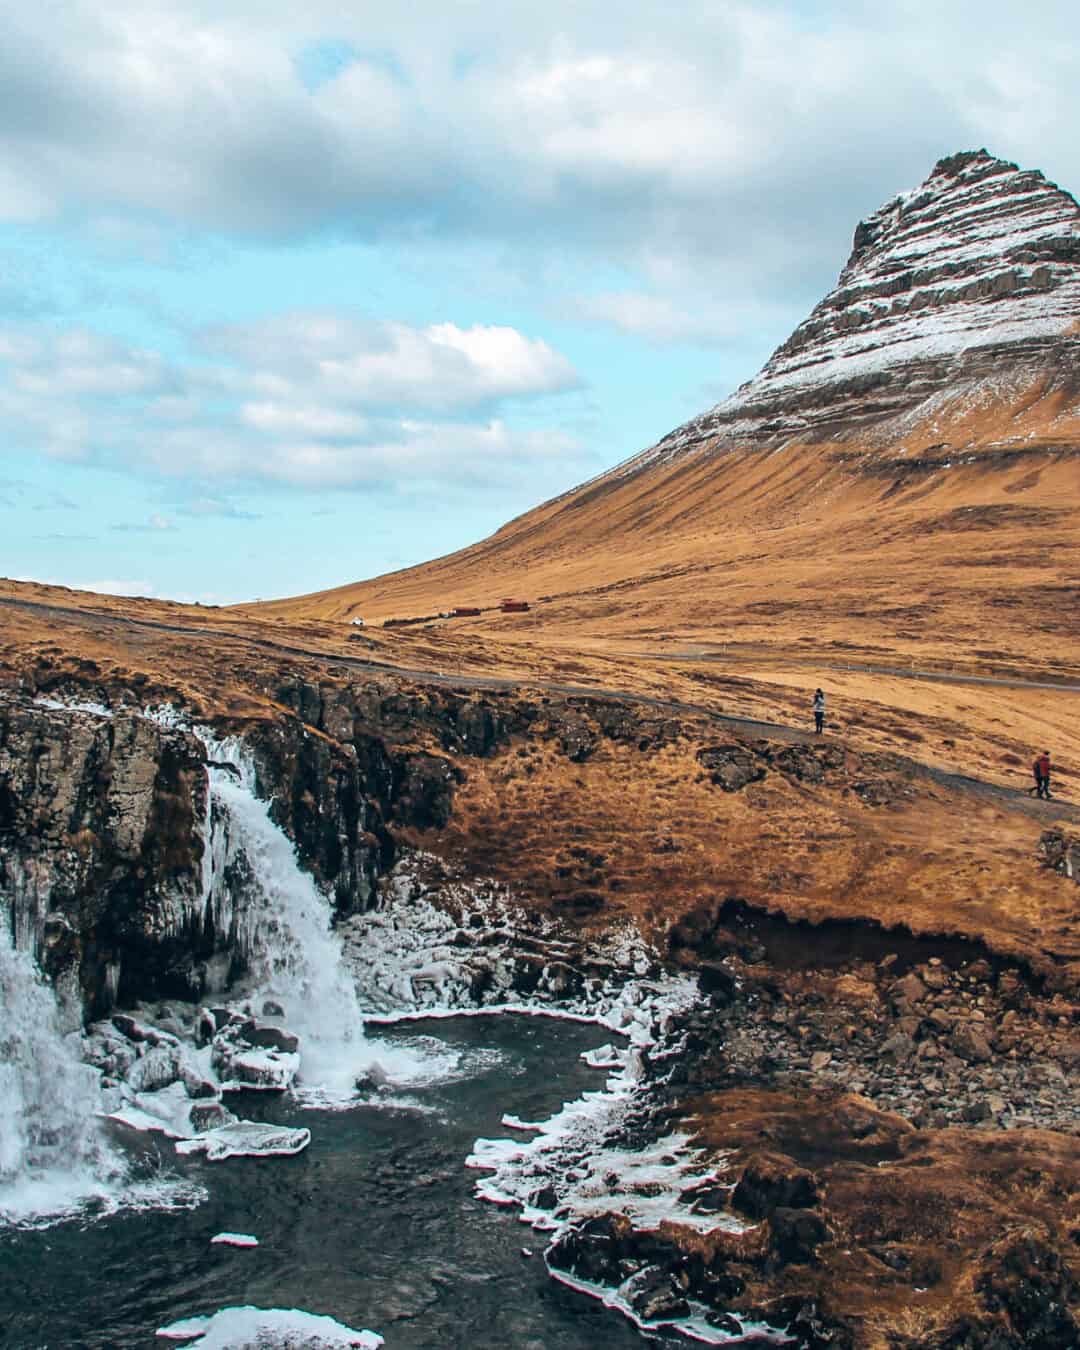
x=401 y=454
x=385 y=364
x=719 y=134
x=659 y=318
x=283 y=418
x=309 y=400
x=112 y=587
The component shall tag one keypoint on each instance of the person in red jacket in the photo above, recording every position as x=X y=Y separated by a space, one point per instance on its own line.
x=1041 y=770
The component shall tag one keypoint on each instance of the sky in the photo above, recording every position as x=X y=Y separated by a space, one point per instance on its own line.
x=294 y=295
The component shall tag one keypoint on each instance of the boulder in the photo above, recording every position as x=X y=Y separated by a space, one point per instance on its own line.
x=206 y=1027
x=130 y=1027
x=796 y=1234
x=654 y=1296
x=158 y=1068
x=268 y=1036
x=806 y=763
x=770 y=1180
x=240 y=1065
x=373 y=1079
x=195 y=1085
x=590 y=1250
x=898 y=1048
x=908 y=990
x=731 y=767
x=1061 y=853
x=970 y=1045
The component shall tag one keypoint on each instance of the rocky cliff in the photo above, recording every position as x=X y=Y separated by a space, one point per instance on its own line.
x=105 y=821
x=963 y=290
x=101 y=839
x=106 y=818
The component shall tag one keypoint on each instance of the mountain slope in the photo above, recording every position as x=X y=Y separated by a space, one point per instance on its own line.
x=900 y=476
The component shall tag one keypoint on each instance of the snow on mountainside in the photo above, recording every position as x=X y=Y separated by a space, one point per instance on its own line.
x=972 y=277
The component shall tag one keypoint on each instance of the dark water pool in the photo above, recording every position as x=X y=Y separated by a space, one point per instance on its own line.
x=375 y=1224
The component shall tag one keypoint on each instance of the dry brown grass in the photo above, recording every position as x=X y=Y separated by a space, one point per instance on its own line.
x=938 y=1198
x=646 y=835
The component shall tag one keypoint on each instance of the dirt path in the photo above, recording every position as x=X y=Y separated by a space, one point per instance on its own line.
x=1017 y=798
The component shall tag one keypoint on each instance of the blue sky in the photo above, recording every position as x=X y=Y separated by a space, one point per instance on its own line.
x=289 y=300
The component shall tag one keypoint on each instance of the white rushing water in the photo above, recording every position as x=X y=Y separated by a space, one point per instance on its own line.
x=281 y=924
x=53 y=1156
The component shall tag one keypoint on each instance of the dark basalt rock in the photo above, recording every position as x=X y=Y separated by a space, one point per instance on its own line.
x=1026 y=1279
x=209 y=1115
x=731 y=767
x=591 y=1251
x=796 y=1234
x=770 y=1182
x=654 y=1296
x=101 y=849
x=331 y=800
x=424 y=790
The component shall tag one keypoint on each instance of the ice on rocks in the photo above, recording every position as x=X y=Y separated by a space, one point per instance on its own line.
x=605 y=1057
x=694 y=1327
x=160 y=1067
x=249 y=1328
x=74 y=705
x=516 y=1123
x=246 y=1139
x=244 y=1068
x=415 y=958
x=164 y=1112
x=234 y=1240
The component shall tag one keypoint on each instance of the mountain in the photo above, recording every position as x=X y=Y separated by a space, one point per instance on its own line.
x=962 y=292
x=898 y=478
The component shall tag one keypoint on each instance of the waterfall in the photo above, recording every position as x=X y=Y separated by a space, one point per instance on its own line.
x=279 y=923
x=52 y=1153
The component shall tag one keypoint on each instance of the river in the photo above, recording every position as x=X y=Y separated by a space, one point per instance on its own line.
x=375 y=1224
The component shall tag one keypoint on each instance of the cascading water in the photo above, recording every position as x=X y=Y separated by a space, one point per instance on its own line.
x=280 y=924
x=52 y=1153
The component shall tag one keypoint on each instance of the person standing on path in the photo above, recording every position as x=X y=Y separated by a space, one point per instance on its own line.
x=819 y=711
x=1041 y=770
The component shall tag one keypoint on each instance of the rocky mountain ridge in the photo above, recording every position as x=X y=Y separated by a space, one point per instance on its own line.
x=964 y=289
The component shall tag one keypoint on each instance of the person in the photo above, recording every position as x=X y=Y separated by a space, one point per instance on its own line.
x=819 y=711
x=1041 y=770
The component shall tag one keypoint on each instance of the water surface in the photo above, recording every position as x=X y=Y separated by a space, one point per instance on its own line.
x=375 y=1224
